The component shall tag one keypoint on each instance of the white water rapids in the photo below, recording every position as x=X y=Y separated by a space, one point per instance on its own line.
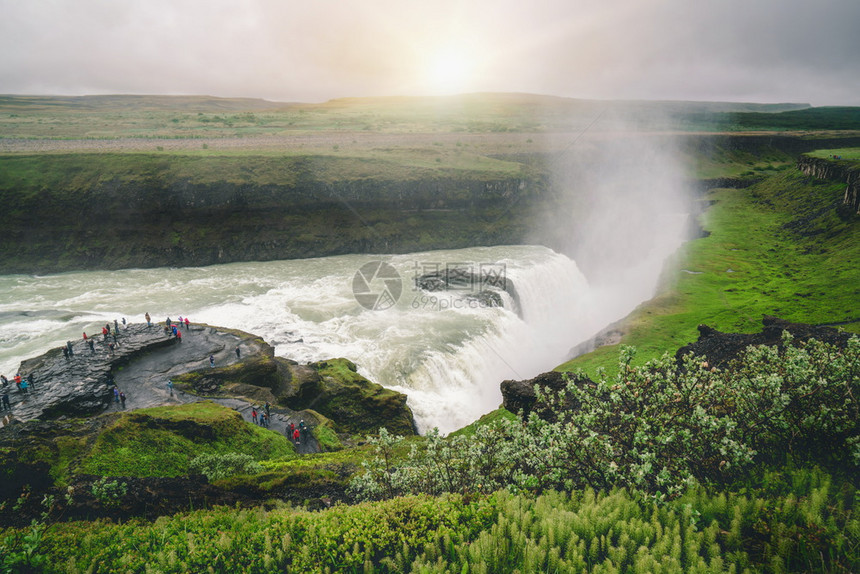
x=447 y=352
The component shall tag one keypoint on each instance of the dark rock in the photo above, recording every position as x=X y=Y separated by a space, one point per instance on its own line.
x=719 y=349
x=81 y=385
x=482 y=288
x=519 y=397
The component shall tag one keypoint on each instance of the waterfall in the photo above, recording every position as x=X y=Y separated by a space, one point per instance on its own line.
x=447 y=351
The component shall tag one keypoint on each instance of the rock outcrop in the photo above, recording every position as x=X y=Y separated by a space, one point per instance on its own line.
x=483 y=288
x=335 y=389
x=719 y=349
x=145 y=357
x=520 y=397
x=835 y=169
x=81 y=384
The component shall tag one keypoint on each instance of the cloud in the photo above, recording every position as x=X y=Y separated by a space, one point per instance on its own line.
x=758 y=50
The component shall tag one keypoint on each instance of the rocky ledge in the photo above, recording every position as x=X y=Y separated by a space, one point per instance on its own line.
x=719 y=349
x=234 y=367
x=835 y=168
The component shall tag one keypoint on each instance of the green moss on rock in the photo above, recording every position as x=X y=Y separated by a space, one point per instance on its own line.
x=356 y=405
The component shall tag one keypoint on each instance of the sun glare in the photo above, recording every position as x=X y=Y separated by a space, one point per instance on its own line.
x=449 y=71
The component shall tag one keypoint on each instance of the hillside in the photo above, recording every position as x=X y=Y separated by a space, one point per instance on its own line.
x=783 y=245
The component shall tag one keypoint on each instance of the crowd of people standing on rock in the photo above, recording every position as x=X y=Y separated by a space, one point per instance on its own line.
x=110 y=340
x=298 y=433
x=23 y=384
x=173 y=328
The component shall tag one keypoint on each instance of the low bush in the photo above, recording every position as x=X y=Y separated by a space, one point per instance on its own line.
x=657 y=430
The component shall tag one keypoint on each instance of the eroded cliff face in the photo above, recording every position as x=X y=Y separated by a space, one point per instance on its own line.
x=180 y=223
x=836 y=170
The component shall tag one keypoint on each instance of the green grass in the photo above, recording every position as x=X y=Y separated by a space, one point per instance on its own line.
x=776 y=248
x=160 y=441
x=847 y=154
x=59 y=173
x=490 y=418
x=798 y=521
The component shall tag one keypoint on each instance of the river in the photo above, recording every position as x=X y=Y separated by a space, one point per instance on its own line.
x=446 y=350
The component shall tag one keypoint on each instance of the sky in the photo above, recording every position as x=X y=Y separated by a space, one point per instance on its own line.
x=768 y=51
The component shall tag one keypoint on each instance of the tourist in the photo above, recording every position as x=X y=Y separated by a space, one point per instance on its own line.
x=105 y=332
x=268 y=408
x=296 y=436
x=124 y=323
x=254 y=415
x=31 y=380
x=187 y=322
x=115 y=394
x=304 y=431
x=3 y=380
x=238 y=353
x=168 y=322
x=66 y=353
x=69 y=347
x=148 y=319
x=122 y=398
x=212 y=361
x=180 y=321
x=170 y=387
x=85 y=335
x=92 y=346
x=7 y=406
x=18 y=380
x=115 y=326
x=178 y=336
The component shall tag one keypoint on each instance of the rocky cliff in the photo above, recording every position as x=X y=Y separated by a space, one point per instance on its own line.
x=835 y=169
x=116 y=224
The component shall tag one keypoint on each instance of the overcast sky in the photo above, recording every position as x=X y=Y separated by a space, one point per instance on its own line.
x=314 y=50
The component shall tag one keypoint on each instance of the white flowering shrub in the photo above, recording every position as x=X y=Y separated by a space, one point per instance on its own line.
x=655 y=429
x=218 y=466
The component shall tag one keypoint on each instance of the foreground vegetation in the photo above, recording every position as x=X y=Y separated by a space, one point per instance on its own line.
x=794 y=521
x=674 y=469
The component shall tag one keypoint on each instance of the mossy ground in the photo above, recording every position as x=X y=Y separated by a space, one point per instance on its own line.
x=161 y=441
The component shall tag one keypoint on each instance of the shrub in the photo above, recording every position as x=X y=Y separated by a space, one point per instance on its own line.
x=109 y=492
x=656 y=429
x=218 y=466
